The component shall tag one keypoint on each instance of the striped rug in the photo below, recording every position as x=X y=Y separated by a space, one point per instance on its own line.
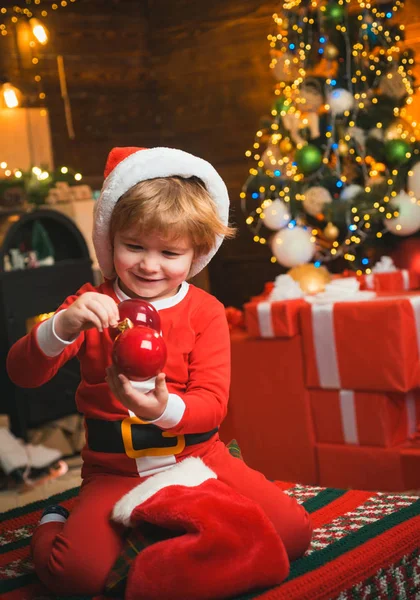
x=365 y=545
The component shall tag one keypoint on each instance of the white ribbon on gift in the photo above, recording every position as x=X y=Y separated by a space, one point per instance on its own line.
x=325 y=344
x=285 y=288
x=349 y=417
x=411 y=414
x=384 y=265
x=406 y=279
x=264 y=319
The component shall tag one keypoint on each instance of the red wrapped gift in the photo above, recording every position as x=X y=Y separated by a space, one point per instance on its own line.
x=410 y=464
x=361 y=467
x=394 y=281
x=273 y=319
x=269 y=413
x=363 y=345
x=364 y=418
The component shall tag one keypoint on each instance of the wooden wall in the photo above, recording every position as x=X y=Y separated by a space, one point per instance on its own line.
x=180 y=73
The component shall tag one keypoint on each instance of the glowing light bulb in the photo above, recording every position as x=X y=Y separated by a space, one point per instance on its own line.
x=39 y=31
x=10 y=95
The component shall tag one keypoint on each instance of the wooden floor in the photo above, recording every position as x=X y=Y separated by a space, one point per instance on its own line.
x=11 y=498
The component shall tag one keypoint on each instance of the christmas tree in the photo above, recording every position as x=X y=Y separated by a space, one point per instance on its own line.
x=336 y=166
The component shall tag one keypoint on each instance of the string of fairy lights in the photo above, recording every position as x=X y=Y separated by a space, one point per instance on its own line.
x=33 y=15
x=274 y=151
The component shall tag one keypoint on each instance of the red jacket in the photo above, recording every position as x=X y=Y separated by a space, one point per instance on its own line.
x=197 y=372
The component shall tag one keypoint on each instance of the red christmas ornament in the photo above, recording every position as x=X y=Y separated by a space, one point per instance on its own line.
x=135 y=312
x=139 y=353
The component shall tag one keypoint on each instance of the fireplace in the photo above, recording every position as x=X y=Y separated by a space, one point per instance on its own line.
x=30 y=294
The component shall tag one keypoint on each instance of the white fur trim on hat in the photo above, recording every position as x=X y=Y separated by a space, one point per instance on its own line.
x=150 y=163
x=190 y=472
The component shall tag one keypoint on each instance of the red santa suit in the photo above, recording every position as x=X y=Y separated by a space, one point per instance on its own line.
x=75 y=556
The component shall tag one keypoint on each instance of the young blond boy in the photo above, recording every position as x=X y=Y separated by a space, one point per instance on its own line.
x=162 y=215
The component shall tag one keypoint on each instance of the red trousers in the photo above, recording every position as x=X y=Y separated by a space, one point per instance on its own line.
x=76 y=557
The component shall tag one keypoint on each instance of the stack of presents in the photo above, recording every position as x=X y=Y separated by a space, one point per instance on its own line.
x=334 y=381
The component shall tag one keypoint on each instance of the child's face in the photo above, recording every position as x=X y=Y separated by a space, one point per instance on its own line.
x=150 y=267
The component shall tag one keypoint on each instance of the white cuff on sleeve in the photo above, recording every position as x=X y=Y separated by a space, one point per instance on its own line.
x=49 y=342
x=172 y=414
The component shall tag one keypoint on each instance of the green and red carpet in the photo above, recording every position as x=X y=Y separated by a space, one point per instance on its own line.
x=365 y=545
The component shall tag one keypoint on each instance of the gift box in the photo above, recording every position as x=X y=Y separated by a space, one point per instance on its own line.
x=395 y=281
x=410 y=465
x=269 y=412
x=370 y=345
x=361 y=467
x=279 y=319
x=364 y=418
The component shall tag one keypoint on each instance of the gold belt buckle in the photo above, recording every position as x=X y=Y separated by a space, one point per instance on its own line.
x=128 y=441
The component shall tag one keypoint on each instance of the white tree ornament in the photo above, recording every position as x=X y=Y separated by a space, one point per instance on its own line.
x=315 y=199
x=413 y=181
x=351 y=191
x=293 y=247
x=276 y=215
x=340 y=100
x=408 y=220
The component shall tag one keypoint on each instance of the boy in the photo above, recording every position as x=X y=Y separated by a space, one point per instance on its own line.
x=162 y=215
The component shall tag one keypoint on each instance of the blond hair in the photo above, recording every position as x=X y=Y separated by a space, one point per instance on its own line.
x=173 y=208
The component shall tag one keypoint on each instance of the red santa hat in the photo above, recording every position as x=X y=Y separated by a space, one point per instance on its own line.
x=218 y=543
x=126 y=167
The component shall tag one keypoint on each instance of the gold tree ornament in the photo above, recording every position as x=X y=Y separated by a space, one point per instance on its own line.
x=343 y=148
x=399 y=128
x=311 y=279
x=331 y=232
x=330 y=51
x=286 y=146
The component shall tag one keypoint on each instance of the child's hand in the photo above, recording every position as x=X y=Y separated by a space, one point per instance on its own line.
x=149 y=406
x=89 y=310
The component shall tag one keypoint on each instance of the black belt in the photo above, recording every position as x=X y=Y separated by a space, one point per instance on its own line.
x=137 y=439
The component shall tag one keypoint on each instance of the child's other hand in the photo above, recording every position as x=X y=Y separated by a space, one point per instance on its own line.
x=89 y=310
x=149 y=406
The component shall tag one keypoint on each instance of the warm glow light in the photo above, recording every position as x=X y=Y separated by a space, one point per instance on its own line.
x=10 y=95
x=39 y=31
x=78 y=176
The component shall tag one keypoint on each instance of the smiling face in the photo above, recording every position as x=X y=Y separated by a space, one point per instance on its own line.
x=149 y=266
